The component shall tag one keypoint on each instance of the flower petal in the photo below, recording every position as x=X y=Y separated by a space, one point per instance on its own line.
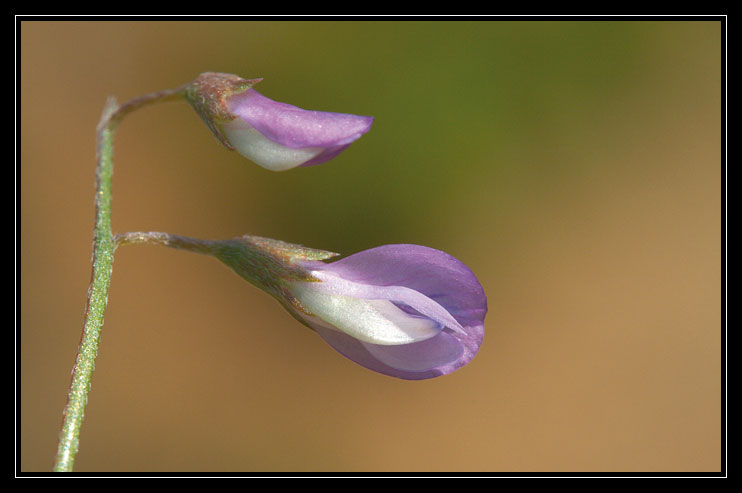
x=332 y=283
x=434 y=273
x=326 y=133
x=375 y=321
x=257 y=148
x=430 y=358
x=432 y=353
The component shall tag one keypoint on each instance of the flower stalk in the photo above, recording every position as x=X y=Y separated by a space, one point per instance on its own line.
x=103 y=248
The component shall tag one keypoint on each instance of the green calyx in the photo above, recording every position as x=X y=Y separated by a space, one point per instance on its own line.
x=271 y=265
x=267 y=263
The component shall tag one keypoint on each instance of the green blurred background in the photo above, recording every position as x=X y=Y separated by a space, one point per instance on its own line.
x=574 y=166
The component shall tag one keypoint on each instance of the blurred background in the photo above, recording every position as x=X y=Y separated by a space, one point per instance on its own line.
x=574 y=166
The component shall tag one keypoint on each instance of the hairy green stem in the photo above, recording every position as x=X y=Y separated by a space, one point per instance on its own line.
x=103 y=248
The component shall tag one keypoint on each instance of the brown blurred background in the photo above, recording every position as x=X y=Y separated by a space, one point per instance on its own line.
x=574 y=166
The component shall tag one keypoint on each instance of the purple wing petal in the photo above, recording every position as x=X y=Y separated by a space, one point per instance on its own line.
x=426 y=359
x=296 y=128
x=420 y=303
x=434 y=273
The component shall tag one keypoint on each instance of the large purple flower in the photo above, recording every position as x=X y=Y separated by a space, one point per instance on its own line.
x=277 y=136
x=407 y=311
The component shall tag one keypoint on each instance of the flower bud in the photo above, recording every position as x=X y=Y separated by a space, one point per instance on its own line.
x=276 y=136
x=406 y=311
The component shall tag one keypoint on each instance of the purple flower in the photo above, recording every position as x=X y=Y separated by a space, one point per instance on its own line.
x=407 y=311
x=277 y=136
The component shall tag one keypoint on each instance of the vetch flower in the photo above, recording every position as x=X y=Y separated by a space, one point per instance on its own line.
x=277 y=136
x=406 y=311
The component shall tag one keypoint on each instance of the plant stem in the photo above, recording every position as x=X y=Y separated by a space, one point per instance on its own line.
x=103 y=248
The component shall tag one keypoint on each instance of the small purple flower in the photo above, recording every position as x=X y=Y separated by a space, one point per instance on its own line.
x=406 y=311
x=277 y=136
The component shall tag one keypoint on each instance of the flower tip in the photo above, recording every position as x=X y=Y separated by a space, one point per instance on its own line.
x=251 y=82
